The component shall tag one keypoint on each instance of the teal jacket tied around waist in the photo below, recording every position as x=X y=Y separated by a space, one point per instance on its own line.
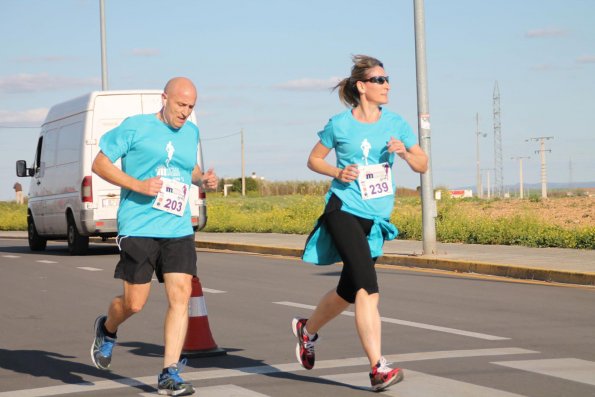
x=320 y=249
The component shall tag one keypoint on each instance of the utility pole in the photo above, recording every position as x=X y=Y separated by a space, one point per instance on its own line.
x=428 y=209
x=521 y=185
x=488 y=186
x=541 y=151
x=570 y=182
x=498 y=176
x=243 y=163
x=478 y=188
x=104 y=85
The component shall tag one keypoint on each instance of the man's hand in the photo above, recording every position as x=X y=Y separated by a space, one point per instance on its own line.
x=151 y=186
x=209 y=179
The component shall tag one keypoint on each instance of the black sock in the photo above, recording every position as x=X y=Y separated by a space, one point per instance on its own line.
x=106 y=332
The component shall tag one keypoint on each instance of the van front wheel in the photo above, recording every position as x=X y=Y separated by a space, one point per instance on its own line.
x=36 y=242
x=77 y=244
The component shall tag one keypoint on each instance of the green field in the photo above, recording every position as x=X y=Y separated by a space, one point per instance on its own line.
x=462 y=221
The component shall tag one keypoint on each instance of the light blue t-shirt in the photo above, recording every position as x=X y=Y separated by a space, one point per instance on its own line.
x=149 y=148
x=354 y=143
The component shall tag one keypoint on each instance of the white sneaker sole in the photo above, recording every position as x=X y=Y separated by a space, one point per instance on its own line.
x=391 y=382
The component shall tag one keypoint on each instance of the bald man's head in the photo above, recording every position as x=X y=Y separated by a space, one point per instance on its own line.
x=178 y=98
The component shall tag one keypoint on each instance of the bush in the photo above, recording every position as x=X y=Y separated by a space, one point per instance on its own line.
x=12 y=216
x=457 y=221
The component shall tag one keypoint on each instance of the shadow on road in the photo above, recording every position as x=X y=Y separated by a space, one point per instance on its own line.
x=233 y=361
x=39 y=363
x=58 y=249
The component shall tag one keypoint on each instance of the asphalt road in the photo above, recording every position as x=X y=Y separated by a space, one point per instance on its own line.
x=453 y=335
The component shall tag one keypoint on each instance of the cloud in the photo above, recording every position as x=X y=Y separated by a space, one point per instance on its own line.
x=307 y=84
x=43 y=82
x=544 y=67
x=550 y=32
x=47 y=58
x=31 y=117
x=586 y=59
x=145 y=52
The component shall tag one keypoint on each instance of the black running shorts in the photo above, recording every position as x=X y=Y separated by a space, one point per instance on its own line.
x=140 y=257
x=349 y=234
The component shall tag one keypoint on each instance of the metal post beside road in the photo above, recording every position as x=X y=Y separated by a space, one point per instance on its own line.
x=104 y=85
x=428 y=203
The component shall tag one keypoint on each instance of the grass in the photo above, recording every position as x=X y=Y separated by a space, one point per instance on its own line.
x=296 y=214
x=12 y=216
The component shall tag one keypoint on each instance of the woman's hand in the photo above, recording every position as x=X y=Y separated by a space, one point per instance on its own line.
x=348 y=174
x=397 y=147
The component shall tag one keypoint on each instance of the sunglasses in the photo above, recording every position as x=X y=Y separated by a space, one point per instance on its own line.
x=377 y=80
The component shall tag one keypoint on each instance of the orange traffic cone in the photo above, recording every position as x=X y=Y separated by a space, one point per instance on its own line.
x=199 y=341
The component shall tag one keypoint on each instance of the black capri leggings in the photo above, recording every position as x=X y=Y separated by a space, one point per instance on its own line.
x=349 y=233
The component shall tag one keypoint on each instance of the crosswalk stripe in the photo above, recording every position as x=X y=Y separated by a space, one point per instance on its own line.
x=573 y=369
x=45 y=261
x=418 y=384
x=410 y=324
x=221 y=391
x=90 y=387
x=10 y=256
x=213 y=291
x=91 y=269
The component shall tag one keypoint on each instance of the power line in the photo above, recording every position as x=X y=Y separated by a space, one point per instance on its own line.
x=221 y=137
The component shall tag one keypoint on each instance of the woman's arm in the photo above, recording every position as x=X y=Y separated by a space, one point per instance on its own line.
x=317 y=163
x=414 y=156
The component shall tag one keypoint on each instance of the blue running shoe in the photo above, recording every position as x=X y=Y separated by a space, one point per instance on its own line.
x=171 y=384
x=101 y=349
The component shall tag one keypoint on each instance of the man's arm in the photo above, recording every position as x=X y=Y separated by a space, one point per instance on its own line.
x=103 y=167
x=208 y=179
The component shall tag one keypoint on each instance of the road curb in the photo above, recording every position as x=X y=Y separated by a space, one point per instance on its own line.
x=460 y=266
x=512 y=271
x=257 y=249
x=415 y=261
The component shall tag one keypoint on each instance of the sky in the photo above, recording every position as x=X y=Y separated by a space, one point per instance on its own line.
x=266 y=67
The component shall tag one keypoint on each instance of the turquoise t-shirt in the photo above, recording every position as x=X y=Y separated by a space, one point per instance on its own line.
x=149 y=148
x=357 y=143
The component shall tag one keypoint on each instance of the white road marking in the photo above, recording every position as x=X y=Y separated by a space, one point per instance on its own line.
x=573 y=369
x=45 y=261
x=213 y=291
x=419 y=384
x=90 y=387
x=221 y=391
x=10 y=256
x=91 y=269
x=410 y=324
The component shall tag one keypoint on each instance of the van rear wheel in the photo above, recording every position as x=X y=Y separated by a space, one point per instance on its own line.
x=77 y=244
x=36 y=242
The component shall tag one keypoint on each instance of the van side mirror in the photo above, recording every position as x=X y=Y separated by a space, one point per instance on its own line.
x=22 y=169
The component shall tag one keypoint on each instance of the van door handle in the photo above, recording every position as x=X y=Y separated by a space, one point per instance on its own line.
x=38 y=182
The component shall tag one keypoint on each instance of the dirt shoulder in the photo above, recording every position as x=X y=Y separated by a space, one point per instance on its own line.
x=567 y=212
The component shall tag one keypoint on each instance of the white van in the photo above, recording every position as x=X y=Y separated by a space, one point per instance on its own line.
x=66 y=200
